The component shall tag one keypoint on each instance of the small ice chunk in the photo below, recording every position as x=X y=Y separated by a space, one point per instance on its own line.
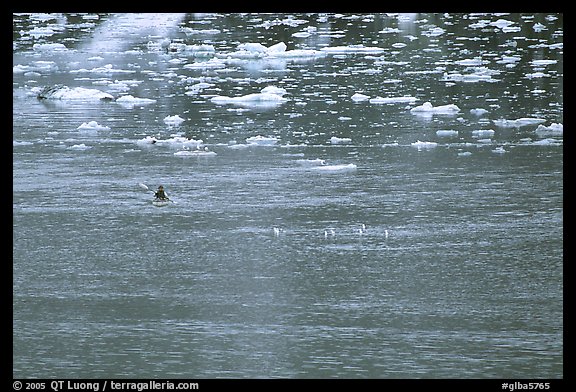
x=447 y=133
x=357 y=97
x=424 y=145
x=173 y=121
x=93 y=126
x=131 y=101
x=520 y=122
x=79 y=147
x=555 y=129
x=261 y=140
x=427 y=107
x=478 y=111
x=340 y=140
x=405 y=99
x=483 y=133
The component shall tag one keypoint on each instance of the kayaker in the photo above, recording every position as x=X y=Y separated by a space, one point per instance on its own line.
x=160 y=194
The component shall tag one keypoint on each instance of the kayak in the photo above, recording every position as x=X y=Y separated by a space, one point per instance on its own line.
x=160 y=202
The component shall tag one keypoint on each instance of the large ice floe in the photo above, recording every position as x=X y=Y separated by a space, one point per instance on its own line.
x=269 y=96
x=73 y=94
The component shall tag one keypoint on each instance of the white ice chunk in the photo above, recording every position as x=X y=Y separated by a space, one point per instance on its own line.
x=131 y=101
x=424 y=145
x=340 y=140
x=269 y=96
x=360 y=97
x=427 y=107
x=93 y=126
x=478 y=111
x=446 y=133
x=311 y=162
x=540 y=63
x=79 y=147
x=173 y=121
x=520 y=122
x=195 y=153
x=381 y=100
x=74 y=94
x=50 y=47
x=555 y=129
x=261 y=140
x=483 y=133
x=476 y=61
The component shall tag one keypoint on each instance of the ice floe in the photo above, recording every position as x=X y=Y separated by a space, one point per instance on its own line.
x=357 y=97
x=428 y=108
x=180 y=142
x=386 y=100
x=520 y=122
x=446 y=133
x=478 y=111
x=483 y=133
x=340 y=140
x=173 y=121
x=555 y=129
x=261 y=140
x=424 y=145
x=92 y=126
x=195 y=153
x=79 y=147
x=269 y=96
x=131 y=101
x=73 y=94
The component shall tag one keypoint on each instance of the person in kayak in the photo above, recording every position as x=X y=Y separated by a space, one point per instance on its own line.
x=160 y=194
